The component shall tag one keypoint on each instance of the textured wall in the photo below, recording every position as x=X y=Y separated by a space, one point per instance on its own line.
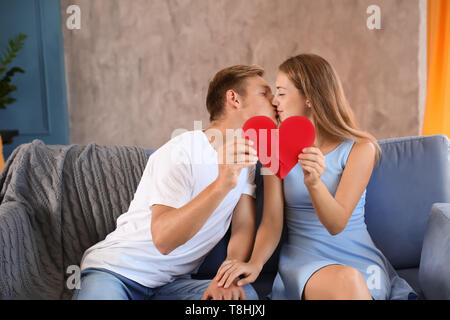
x=137 y=70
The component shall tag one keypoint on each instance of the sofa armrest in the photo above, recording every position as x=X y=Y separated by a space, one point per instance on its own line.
x=14 y=251
x=434 y=275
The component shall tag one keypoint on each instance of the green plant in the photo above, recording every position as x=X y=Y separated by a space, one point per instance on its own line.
x=6 y=58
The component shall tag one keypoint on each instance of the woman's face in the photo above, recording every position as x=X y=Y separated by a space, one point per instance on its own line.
x=288 y=99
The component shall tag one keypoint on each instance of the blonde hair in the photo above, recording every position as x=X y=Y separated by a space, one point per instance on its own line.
x=319 y=83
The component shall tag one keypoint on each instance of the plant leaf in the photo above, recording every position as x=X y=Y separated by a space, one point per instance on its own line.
x=10 y=52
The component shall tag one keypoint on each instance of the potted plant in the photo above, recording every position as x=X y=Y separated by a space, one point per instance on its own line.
x=6 y=88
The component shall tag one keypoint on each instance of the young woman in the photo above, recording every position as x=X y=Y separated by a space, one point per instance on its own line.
x=328 y=253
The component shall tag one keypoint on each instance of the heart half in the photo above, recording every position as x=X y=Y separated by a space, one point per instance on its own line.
x=296 y=133
x=278 y=149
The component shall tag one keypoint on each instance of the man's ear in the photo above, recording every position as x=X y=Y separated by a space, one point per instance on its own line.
x=233 y=99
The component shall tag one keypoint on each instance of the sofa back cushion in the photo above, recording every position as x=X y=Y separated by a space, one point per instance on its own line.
x=413 y=174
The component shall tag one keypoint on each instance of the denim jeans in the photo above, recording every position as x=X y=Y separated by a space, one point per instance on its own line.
x=102 y=284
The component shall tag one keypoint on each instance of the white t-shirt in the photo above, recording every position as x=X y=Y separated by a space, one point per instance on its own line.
x=174 y=175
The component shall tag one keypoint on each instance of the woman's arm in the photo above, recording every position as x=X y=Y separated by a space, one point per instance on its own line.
x=239 y=247
x=271 y=226
x=242 y=229
x=335 y=212
x=267 y=237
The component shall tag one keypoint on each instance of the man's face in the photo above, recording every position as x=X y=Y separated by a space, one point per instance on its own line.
x=258 y=101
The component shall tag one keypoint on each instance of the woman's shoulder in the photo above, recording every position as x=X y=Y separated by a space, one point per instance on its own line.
x=364 y=146
x=362 y=150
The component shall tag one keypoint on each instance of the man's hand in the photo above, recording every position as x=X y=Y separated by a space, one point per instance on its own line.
x=219 y=293
x=234 y=155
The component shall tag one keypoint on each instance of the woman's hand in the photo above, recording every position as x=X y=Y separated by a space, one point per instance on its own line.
x=232 y=269
x=313 y=164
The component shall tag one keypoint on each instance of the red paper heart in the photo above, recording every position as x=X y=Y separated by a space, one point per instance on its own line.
x=263 y=131
x=296 y=133
x=278 y=149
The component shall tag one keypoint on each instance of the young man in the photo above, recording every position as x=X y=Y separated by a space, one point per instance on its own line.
x=188 y=195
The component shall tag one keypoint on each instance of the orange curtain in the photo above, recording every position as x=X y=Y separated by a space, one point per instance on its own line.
x=437 y=110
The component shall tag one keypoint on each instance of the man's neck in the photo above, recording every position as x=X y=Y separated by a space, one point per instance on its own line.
x=222 y=127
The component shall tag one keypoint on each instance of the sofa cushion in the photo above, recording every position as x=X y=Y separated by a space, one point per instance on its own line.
x=412 y=175
x=411 y=275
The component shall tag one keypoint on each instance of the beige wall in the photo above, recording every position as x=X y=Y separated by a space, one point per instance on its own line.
x=137 y=70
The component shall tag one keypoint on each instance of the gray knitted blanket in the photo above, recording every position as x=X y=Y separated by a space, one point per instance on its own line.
x=55 y=202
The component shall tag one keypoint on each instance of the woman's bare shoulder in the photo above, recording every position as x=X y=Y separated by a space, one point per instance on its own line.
x=362 y=151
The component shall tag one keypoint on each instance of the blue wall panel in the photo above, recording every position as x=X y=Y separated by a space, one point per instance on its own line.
x=40 y=111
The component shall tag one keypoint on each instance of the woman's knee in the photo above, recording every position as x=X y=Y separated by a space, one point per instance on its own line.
x=337 y=282
x=352 y=283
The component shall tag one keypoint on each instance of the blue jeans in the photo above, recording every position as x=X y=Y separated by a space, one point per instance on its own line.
x=102 y=284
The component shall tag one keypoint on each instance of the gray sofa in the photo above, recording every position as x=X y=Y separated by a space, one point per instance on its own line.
x=56 y=201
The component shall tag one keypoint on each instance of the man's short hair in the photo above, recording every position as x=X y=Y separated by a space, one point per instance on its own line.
x=232 y=78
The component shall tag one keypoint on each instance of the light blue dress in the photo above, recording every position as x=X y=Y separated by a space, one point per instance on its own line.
x=309 y=246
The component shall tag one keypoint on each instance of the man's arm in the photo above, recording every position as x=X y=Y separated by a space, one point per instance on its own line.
x=243 y=225
x=267 y=238
x=271 y=226
x=239 y=247
x=171 y=227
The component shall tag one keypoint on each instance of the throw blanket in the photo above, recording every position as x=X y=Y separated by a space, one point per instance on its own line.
x=55 y=202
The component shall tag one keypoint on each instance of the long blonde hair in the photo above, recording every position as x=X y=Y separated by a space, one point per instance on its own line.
x=319 y=83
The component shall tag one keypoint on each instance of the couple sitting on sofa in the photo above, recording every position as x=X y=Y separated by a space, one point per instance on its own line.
x=194 y=187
